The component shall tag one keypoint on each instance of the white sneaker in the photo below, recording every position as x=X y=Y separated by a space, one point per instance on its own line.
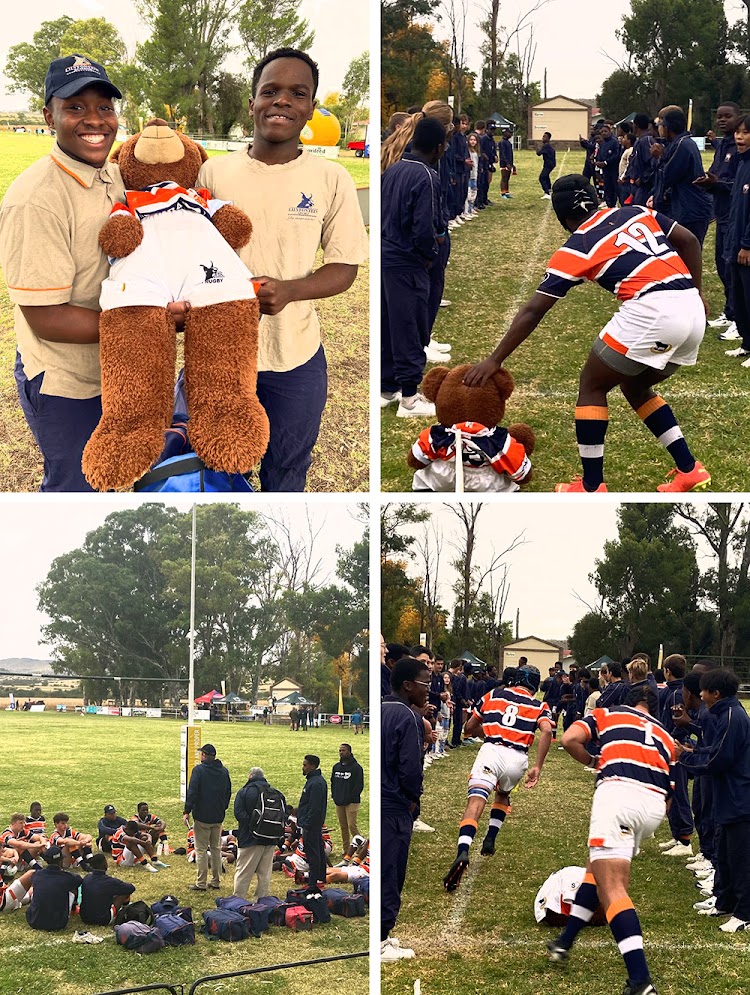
x=433 y=356
x=159 y=863
x=390 y=952
x=150 y=868
x=452 y=225
x=668 y=845
x=705 y=874
x=699 y=866
x=422 y=827
x=735 y=925
x=546 y=196
x=696 y=859
x=707 y=903
x=719 y=322
x=387 y=398
x=730 y=334
x=445 y=303
x=416 y=407
x=746 y=363
x=707 y=893
x=735 y=353
x=679 y=850
x=713 y=912
x=439 y=346
x=86 y=937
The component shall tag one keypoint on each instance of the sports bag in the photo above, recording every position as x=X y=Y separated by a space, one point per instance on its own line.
x=276 y=909
x=269 y=817
x=139 y=937
x=174 y=930
x=298 y=918
x=179 y=469
x=221 y=924
x=362 y=887
x=312 y=901
x=134 y=912
x=343 y=903
x=256 y=915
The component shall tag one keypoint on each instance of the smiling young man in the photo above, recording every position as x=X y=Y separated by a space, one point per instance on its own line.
x=298 y=202
x=49 y=225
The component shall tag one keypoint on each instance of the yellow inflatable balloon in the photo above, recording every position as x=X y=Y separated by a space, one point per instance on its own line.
x=323 y=129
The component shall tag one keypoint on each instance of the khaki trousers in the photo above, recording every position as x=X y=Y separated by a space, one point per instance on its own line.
x=348 y=821
x=254 y=860
x=207 y=837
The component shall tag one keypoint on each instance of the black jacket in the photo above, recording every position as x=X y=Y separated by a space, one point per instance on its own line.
x=401 y=742
x=347 y=782
x=209 y=792
x=311 y=811
x=245 y=805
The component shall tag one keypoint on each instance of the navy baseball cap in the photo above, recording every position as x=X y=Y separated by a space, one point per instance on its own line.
x=68 y=76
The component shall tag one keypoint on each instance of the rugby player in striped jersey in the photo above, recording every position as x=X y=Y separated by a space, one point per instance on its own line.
x=508 y=718
x=652 y=265
x=634 y=782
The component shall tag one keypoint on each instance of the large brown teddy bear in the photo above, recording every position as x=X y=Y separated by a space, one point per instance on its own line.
x=169 y=242
x=494 y=458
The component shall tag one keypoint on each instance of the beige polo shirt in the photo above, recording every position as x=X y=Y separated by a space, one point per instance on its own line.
x=295 y=207
x=50 y=219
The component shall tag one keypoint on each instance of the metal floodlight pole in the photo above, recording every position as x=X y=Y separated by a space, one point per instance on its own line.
x=191 y=681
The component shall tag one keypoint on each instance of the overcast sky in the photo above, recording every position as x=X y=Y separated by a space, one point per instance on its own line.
x=575 y=40
x=35 y=531
x=341 y=33
x=561 y=544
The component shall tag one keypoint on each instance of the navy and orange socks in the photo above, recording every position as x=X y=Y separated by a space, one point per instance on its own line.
x=659 y=419
x=591 y=428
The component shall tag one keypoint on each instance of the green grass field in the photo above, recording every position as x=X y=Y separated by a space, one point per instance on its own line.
x=497 y=261
x=79 y=765
x=484 y=937
x=340 y=461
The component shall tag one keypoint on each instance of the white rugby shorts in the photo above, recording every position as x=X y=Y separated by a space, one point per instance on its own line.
x=355 y=873
x=498 y=766
x=622 y=815
x=182 y=258
x=665 y=327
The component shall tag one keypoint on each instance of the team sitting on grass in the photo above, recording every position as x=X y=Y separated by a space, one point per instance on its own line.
x=646 y=252
x=38 y=865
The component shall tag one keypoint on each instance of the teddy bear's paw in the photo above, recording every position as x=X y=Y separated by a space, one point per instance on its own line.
x=115 y=458
x=231 y=440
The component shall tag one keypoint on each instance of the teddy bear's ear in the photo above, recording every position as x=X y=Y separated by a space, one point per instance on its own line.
x=432 y=383
x=503 y=383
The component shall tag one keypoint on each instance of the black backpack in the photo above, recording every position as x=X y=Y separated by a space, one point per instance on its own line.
x=269 y=817
x=134 y=912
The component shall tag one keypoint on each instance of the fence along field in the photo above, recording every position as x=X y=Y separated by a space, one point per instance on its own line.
x=497 y=261
x=79 y=764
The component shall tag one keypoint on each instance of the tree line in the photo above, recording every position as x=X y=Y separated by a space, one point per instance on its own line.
x=119 y=606
x=179 y=73
x=675 y=575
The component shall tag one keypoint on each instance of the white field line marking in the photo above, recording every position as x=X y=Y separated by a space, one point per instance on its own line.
x=740 y=395
x=24 y=947
x=523 y=287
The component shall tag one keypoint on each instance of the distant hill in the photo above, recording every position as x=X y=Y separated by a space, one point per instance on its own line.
x=25 y=665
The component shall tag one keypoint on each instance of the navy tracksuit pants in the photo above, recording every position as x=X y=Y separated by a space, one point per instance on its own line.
x=703 y=800
x=404 y=328
x=680 y=815
x=732 y=885
x=396 y=831
x=741 y=300
x=724 y=268
x=315 y=855
x=437 y=281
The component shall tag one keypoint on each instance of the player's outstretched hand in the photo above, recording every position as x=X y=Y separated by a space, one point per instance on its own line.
x=532 y=777
x=479 y=375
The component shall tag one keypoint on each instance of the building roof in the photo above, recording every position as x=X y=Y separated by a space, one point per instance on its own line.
x=523 y=639
x=561 y=96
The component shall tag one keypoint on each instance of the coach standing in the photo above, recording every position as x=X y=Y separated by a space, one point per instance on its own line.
x=207 y=798
x=347 y=784
x=311 y=815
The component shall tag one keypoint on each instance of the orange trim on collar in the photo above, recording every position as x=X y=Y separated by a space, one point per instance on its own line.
x=68 y=171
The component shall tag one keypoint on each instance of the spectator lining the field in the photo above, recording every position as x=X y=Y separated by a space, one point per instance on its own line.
x=679 y=164
x=347 y=785
x=549 y=160
x=401 y=745
x=737 y=245
x=642 y=163
x=726 y=760
x=393 y=653
x=646 y=341
x=680 y=815
x=615 y=691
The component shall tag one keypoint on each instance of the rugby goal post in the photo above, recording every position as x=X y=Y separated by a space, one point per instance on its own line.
x=190 y=755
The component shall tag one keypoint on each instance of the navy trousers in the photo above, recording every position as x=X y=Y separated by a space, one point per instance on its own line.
x=544 y=179
x=437 y=281
x=404 y=328
x=483 y=187
x=741 y=300
x=294 y=402
x=395 y=833
x=723 y=268
x=680 y=815
x=315 y=855
x=698 y=228
x=703 y=799
x=458 y=724
x=610 y=187
x=61 y=427
x=732 y=887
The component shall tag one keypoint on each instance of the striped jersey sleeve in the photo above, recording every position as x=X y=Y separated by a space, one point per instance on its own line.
x=625 y=250
x=480 y=446
x=511 y=717
x=634 y=747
